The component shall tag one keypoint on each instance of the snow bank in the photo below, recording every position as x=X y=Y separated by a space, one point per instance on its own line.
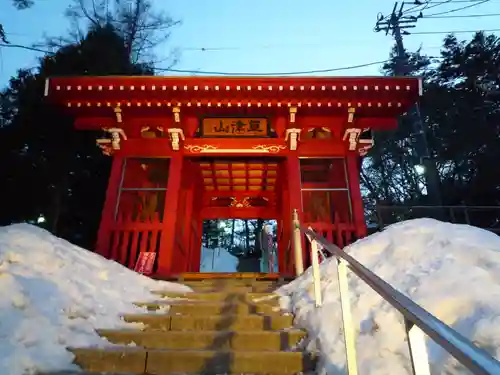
x=452 y=270
x=54 y=294
x=217 y=260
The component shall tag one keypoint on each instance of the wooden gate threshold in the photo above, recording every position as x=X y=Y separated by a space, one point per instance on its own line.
x=227 y=275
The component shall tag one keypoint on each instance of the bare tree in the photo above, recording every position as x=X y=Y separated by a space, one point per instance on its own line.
x=19 y=4
x=142 y=27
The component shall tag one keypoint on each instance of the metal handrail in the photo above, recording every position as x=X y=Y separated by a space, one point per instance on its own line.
x=417 y=319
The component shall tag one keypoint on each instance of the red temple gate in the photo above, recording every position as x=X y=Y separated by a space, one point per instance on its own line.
x=187 y=149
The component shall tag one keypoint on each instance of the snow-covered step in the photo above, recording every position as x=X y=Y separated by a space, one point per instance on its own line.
x=207 y=340
x=225 y=322
x=219 y=296
x=211 y=308
x=167 y=362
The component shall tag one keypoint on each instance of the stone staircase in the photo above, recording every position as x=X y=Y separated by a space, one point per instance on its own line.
x=227 y=326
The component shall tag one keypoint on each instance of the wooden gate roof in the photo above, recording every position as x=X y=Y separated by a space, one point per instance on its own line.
x=382 y=96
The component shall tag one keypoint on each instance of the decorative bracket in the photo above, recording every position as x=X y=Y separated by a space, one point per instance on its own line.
x=240 y=204
x=352 y=134
x=177 y=114
x=109 y=145
x=365 y=141
x=294 y=136
x=368 y=144
x=293 y=112
x=318 y=130
x=146 y=132
x=118 y=114
x=350 y=117
x=176 y=135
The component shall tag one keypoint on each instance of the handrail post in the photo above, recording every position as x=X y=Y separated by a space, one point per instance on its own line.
x=318 y=300
x=419 y=357
x=316 y=273
x=345 y=304
x=297 y=243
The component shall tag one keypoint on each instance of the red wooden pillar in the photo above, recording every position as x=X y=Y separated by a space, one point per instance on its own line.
x=187 y=227
x=358 y=215
x=197 y=244
x=285 y=255
x=108 y=211
x=167 y=245
x=196 y=222
x=295 y=195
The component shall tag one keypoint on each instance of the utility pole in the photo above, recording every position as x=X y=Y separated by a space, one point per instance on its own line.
x=396 y=23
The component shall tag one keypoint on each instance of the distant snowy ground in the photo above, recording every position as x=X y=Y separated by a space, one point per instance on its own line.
x=54 y=294
x=217 y=260
x=452 y=270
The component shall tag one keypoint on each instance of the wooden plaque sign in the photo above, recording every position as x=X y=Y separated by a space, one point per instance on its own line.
x=234 y=127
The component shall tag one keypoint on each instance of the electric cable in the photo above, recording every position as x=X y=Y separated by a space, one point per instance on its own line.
x=426 y=6
x=20 y=46
x=459 y=9
x=467 y=16
x=272 y=74
x=452 y=32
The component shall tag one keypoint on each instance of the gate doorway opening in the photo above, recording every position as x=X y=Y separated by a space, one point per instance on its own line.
x=235 y=245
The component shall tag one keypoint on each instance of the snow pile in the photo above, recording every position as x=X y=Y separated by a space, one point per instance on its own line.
x=54 y=294
x=217 y=260
x=452 y=270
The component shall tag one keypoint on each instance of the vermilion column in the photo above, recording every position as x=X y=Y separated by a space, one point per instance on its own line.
x=108 y=211
x=187 y=228
x=166 y=254
x=352 y=164
x=195 y=243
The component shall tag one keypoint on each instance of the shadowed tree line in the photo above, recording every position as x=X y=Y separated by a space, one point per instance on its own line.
x=461 y=110
x=47 y=167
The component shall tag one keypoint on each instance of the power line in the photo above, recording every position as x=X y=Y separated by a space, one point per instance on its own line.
x=467 y=16
x=453 y=1
x=319 y=71
x=20 y=46
x=459 y=9
x=453 y=32
x=426 y=5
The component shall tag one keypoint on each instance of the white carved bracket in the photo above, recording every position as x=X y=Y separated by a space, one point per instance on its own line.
x=105 y=145
x=366 y=145
x=352 y=134
x=293 y=112
x=177 y=114
x=176 y=135
x=294 y=136
x=110 y=145
x=115 y=136
x=350 y=117
x=118 y=114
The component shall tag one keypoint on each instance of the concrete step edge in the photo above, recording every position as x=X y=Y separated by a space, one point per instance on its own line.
x=198 y=303
x=211 y=304
x=180 y=333
x=203 y=317
x=221 y=293
x=136 y=349
x=158 y=361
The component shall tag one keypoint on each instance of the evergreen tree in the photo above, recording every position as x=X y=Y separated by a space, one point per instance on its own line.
x=48 y=167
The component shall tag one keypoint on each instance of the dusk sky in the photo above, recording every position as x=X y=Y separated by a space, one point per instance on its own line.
x=261 y=36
